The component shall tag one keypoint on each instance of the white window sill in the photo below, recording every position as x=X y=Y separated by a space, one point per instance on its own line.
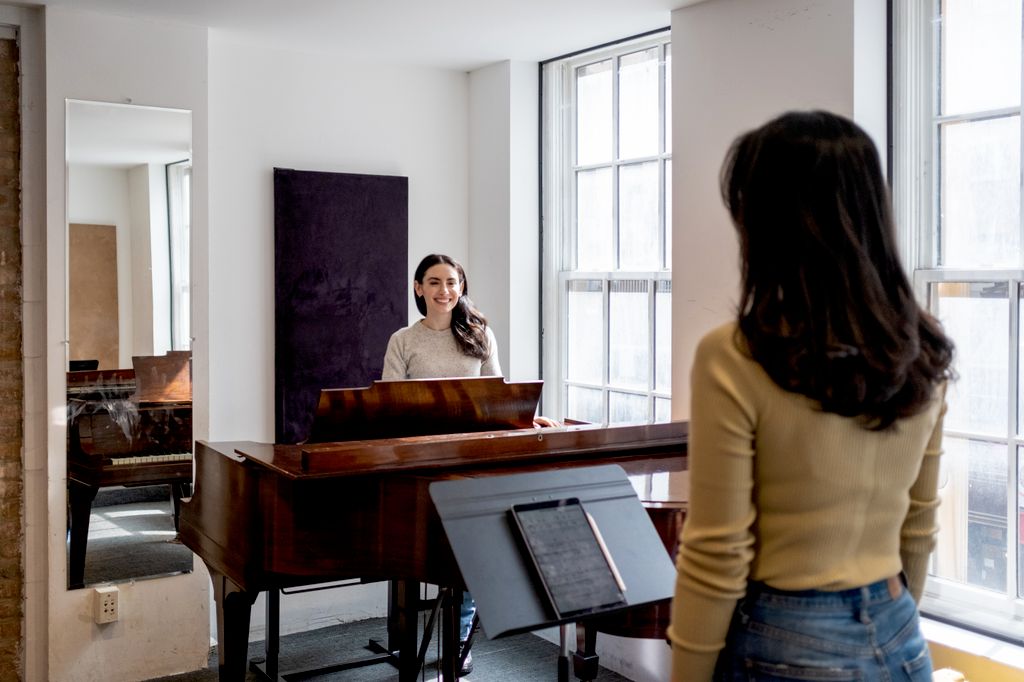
x=973 y=646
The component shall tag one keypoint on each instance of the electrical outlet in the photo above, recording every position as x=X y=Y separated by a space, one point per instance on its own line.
x=104 y=606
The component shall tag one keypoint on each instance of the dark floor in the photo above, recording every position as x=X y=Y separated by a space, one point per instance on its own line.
x=521 y=658
x=131 y=536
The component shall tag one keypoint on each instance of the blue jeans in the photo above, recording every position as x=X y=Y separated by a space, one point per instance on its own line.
x=858 y=634
x=466 y=616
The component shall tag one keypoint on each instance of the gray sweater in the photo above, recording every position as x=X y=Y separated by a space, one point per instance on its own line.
x=419 y=352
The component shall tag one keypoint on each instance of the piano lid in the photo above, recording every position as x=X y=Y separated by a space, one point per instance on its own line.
x=424 y=407
x=163 y=378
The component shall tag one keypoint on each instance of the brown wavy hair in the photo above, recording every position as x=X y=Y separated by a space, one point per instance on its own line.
x=469 y=326
x=825 y=307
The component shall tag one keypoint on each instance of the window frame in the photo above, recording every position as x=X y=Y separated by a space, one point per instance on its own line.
x=178 y=179
x=559 y=205
x=917 y=183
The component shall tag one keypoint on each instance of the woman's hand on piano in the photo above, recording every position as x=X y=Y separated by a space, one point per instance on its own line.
x=541 y=422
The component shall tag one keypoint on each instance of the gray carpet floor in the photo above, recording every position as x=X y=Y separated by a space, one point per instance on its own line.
x=522 y=658
x=131 y=536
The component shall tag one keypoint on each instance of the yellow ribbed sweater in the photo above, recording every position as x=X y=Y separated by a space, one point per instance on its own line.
x=783 y=493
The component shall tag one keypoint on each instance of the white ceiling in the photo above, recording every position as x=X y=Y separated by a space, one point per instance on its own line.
x=123 y=136
x=450 y=34
x=462 y=35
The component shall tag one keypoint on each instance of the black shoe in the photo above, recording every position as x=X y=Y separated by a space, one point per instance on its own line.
x=467 y=664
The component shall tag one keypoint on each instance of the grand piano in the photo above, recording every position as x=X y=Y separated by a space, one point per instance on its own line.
x=126 y=427
x=267 y=517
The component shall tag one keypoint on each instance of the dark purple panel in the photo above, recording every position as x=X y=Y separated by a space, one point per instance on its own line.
x=341 y=285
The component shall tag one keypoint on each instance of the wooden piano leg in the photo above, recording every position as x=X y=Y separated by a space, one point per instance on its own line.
x=178 y=491
x=584 y=661
x=234 y=606
x=403 y=609
x=80 y=497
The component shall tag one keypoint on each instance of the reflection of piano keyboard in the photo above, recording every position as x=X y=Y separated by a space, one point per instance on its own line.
x=152 y=459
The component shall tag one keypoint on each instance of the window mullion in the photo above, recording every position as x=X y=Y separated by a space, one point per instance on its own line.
x=1011 y=478
x=606 y=348
x=652 y=293
x=615 y=163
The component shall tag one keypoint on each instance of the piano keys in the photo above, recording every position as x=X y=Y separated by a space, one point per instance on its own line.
x=266 y=516
x=126 y=428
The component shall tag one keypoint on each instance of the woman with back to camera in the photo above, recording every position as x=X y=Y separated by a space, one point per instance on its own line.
x=815 y=431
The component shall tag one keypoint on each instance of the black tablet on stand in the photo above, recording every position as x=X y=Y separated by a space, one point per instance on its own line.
x=570 y=559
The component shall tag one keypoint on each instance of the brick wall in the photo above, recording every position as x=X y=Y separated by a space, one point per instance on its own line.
x=11 y=367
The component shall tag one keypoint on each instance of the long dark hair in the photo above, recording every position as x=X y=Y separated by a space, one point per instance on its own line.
x=826 y=308
x=468 y=324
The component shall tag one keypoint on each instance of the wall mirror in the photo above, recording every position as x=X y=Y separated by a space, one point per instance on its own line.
x=129 y=387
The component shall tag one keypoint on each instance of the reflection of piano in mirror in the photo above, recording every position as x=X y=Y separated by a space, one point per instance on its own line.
x=265 y=517
x=126 y=428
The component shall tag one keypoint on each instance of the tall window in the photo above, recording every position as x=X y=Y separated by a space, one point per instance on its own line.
x=607 y=217
x=958 y=190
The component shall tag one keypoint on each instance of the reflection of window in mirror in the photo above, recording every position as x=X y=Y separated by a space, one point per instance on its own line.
x=179 y=222
x=128 y=192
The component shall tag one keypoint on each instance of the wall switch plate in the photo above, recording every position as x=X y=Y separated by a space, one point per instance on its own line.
x=104 y=606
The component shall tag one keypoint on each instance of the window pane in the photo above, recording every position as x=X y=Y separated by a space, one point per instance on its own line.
x=980 y=193
x=668 y=214
x=585 y=322
x=981 y=42
x=594 y=220
x=668 y=99
x=594 y=113
x=629 y=334
x=662 y=410
x=663 y=337
x=638 y=104
x=976 y=317
x=626 y=408
x=585 y=405
x=972 y=516
x=639 y=230
x=1020 y=367
x=1019 y=522
x=179 y=189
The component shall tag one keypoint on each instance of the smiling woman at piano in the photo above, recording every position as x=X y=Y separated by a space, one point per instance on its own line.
x=453 y=339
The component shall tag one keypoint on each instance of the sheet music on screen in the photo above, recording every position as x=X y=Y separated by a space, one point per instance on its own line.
x=568 y=557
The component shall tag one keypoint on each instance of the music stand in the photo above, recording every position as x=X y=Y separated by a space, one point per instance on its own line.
x=498 y=571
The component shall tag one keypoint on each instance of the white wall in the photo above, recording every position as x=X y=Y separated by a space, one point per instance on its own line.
x=504 y=235
x=115 y=59
x=524 y=221
x=99 y=196
x=737 y=63
x=271 y=108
